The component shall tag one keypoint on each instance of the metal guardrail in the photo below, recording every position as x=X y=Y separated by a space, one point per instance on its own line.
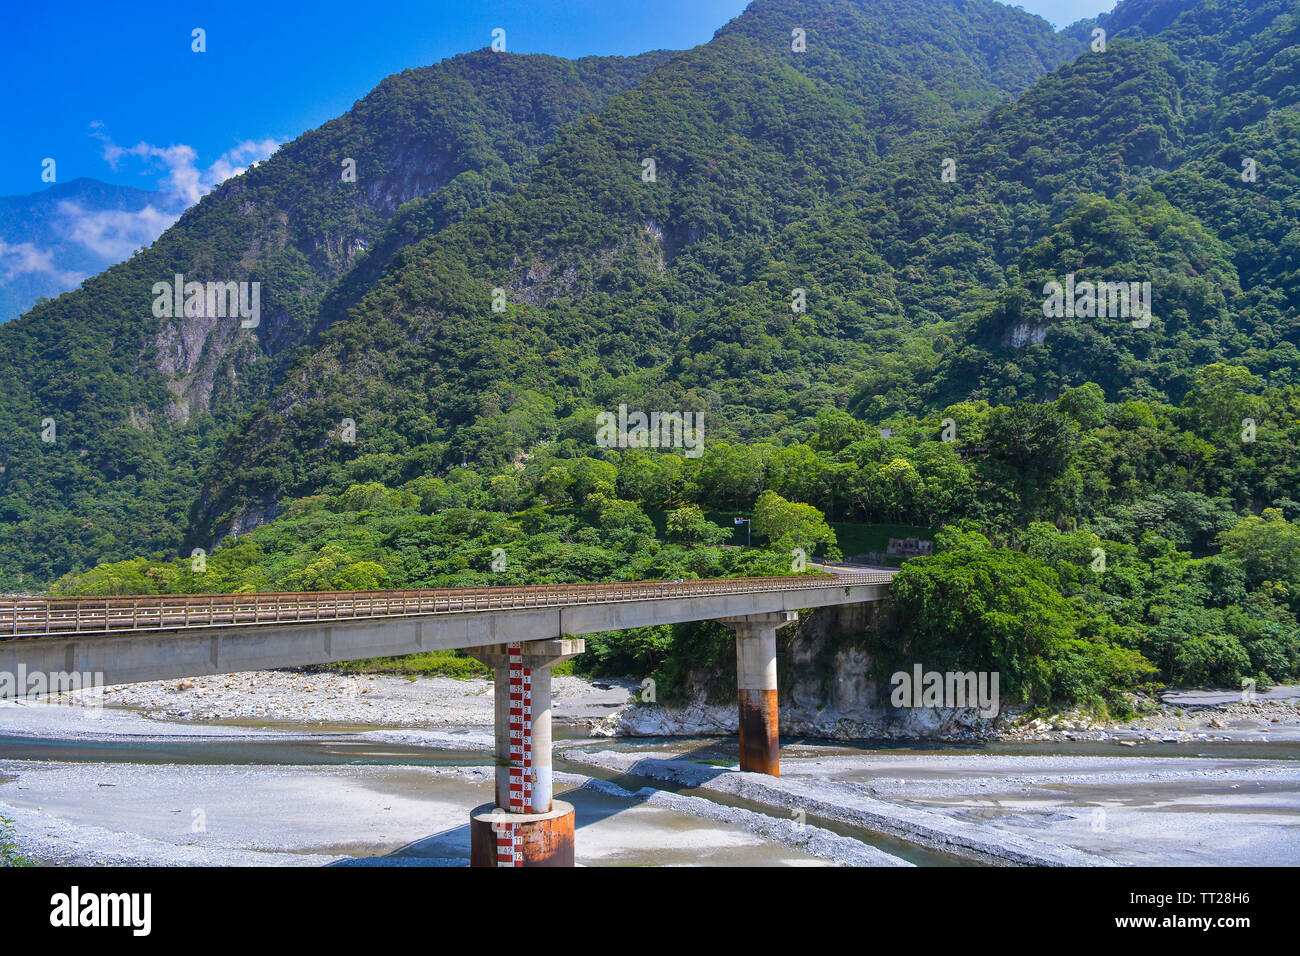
x=40 y=617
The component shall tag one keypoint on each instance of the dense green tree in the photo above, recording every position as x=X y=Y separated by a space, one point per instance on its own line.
x=790 y=525
x=688 y=524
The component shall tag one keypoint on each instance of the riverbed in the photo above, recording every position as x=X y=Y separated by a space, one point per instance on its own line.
x=115 y=788
x=386 y=772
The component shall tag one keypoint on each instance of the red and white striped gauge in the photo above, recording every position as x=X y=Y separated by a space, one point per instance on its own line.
x=521 y=731
x=521 y=754
x=510 y=850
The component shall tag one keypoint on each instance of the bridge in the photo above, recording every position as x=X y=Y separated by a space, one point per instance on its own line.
x=520 y=632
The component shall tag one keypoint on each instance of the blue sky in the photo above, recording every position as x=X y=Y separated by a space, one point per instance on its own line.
x=116 y=93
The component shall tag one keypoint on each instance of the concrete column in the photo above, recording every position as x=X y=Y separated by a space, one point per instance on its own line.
x=528 y=828
x=756 y=687
x=538 y=772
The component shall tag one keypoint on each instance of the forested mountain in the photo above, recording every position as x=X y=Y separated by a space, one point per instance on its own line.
x=748 y=137
x=1084 y=548
x=138 y=400
x=806 y=245
x=922 y=288
x=605 y=273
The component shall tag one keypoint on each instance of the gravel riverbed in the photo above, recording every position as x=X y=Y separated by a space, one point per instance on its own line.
x=384 y=770
x=328 y=697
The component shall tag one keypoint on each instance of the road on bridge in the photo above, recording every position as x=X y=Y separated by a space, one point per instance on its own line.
x=38 y=617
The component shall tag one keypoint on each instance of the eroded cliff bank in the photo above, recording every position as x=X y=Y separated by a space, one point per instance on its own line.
x=826 y=690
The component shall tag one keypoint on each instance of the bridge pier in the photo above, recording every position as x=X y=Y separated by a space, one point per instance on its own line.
x=760 y=746
x=525 y=826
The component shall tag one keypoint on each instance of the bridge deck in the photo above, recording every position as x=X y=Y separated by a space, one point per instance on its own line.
x=42 y=617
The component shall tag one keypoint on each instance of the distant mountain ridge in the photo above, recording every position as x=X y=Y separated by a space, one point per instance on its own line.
x=52 y=239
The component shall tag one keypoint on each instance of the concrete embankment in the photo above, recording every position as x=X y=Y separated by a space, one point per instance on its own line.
x=813 y=840
x=923 y=827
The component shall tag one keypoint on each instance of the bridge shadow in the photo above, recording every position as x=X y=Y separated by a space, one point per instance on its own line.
x=448 y=848
x=592 y=804
x=694 y=763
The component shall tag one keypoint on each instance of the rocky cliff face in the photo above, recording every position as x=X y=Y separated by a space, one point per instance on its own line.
x=825 y=691
x=205 y=360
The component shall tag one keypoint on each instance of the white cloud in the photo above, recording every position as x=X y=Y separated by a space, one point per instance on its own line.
x=182 y=175
x=237 y=160
x=114 y=234
x=184 y=179
x=23 y=258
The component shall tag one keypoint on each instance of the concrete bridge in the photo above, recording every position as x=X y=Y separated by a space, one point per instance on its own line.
x=520 y=632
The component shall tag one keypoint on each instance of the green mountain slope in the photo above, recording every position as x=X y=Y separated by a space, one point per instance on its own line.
x=922 y=288
x=604 y=267
x=138 y=400
x=487 y=321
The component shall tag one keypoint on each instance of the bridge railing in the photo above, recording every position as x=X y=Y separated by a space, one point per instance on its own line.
x=36 y=617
